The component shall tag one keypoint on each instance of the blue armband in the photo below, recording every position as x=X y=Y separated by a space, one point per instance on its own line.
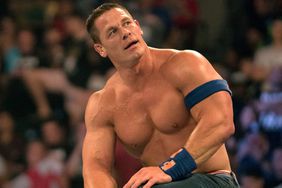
x=205 y=90
x=180 y=165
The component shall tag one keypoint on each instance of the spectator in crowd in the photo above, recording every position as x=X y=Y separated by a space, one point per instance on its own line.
x=8 y=45
x=44 y=170
x=270 y=56
x=70 y=79
x=12 y=146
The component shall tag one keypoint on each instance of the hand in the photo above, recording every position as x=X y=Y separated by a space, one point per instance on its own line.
x=149 y=176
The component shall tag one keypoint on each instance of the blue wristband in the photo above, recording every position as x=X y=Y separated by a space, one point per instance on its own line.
x=179 y=166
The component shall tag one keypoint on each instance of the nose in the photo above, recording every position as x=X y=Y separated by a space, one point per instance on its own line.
x=126 y=33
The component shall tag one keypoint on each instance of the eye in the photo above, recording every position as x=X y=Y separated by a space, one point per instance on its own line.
x=127 y=23
x=112 y=32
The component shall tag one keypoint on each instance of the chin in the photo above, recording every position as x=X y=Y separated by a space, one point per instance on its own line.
x=137 y=53
x=140 y=51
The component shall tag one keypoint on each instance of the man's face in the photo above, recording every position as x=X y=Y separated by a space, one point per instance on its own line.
x=120 y=37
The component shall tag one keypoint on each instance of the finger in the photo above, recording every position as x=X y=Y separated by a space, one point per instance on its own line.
x=131 y=181
x=139 y=182
x=128 y=184
x=136 y=177
x=150 y=183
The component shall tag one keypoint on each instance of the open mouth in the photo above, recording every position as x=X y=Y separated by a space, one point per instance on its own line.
x=131 y=44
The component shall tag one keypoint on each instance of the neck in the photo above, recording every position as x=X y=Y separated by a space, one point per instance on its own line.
x=141 y=69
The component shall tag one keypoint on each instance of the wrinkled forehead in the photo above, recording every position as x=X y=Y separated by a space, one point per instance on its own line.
x=111 y=17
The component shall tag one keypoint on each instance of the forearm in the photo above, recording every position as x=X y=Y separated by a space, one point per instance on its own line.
x=207 y=138
x=98 y=179
x=203 y=154
x=98 y=157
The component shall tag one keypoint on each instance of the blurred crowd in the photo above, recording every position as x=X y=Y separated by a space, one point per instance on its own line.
x=48 y=69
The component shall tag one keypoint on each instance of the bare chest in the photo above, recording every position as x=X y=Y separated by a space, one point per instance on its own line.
x=141 y=117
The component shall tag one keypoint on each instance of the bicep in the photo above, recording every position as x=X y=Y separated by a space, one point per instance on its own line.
x=98 y=148
x=99 y=141
x=215 y=108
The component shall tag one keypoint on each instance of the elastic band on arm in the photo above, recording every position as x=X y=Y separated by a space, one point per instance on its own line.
x=205 y=90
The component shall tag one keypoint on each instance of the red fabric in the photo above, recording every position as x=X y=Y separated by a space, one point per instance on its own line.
x=41 y=181
x=125 y=165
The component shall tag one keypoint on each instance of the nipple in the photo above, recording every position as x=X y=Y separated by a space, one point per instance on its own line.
x=175 y=125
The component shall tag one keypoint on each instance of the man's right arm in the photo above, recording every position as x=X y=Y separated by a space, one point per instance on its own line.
x=98 y=146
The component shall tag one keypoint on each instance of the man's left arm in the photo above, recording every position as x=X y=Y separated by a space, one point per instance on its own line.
x=214 y=118
x=208 y=100
x=213 y=112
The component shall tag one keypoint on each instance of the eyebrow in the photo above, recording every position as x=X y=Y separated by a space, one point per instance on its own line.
x=113 y=27
x=125 y=19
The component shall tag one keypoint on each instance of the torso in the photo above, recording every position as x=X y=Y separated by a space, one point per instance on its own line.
x=154 y=122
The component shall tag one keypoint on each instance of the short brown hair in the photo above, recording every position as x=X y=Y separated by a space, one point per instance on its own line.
x=96 y=13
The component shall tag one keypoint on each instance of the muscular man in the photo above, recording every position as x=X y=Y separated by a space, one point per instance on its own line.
x=169 y=108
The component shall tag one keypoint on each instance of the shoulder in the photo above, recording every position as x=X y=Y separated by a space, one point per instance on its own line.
x=99 y=106
x=188 y=69
x=169 y=58
x=187 y=59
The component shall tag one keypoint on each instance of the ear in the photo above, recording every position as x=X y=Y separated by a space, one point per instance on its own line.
x=137 y=23
x=100 y=49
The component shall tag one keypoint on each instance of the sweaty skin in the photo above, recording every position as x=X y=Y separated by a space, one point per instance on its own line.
x=142 y=105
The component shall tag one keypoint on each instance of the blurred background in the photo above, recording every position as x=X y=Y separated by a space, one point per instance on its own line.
x=48 y=70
